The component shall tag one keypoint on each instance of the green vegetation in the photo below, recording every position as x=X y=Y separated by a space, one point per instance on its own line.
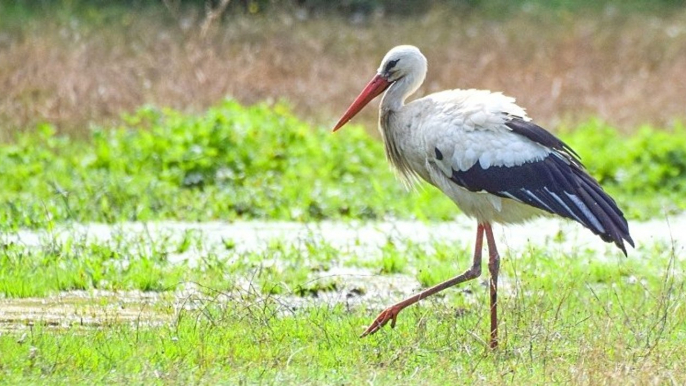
x=255 y=162
x=645 y=172
x=260 y=162
x=498 y=8
x=618 y=321
x=77 y=264
x=160 y=262
x=282 y=313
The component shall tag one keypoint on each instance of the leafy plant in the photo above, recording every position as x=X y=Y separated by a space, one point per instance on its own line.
x=261 y=162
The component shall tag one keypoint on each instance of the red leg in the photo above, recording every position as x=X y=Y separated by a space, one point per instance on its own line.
x=391 y=313
x=493 y=268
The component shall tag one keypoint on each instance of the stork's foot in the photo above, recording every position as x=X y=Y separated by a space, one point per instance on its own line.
x=389 y=314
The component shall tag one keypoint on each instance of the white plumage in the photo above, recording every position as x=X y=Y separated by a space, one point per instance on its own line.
x=483 y=151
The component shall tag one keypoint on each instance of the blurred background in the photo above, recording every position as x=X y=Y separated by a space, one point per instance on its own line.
x=79 y=63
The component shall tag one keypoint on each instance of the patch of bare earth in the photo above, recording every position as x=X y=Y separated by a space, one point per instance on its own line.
x=625 y=69
x=81 y=309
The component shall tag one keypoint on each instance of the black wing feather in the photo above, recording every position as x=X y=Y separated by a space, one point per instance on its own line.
x=539 y=135
x=557 y=184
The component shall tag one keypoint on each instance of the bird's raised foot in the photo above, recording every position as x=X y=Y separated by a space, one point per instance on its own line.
x=389 y=314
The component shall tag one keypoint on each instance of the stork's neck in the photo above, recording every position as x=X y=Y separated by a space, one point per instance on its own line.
x=394 y=98
x=392 y=128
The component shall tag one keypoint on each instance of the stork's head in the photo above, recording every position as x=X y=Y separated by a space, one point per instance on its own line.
x=400 y=63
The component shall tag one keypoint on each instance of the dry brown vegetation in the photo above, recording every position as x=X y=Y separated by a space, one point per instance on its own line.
x=625 y=69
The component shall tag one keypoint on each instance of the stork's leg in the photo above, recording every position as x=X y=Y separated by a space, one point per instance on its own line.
x=391 y=313
x=493 y=268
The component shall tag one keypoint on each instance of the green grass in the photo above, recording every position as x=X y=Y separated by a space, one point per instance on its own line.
x=259 y=316
x=275 y=315
x=75 y=265
x=261 y=162
x=564 y=319
x=68 y=261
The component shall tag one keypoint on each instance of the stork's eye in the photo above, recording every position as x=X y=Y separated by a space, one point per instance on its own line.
x=390 y=65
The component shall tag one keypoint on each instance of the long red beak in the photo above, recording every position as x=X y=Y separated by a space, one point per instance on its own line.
x=375 y=87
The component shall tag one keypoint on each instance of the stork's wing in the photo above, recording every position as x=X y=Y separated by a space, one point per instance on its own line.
x=536 y=168
x=539 y=135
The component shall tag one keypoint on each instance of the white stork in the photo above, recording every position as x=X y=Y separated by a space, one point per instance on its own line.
x=482 y=151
